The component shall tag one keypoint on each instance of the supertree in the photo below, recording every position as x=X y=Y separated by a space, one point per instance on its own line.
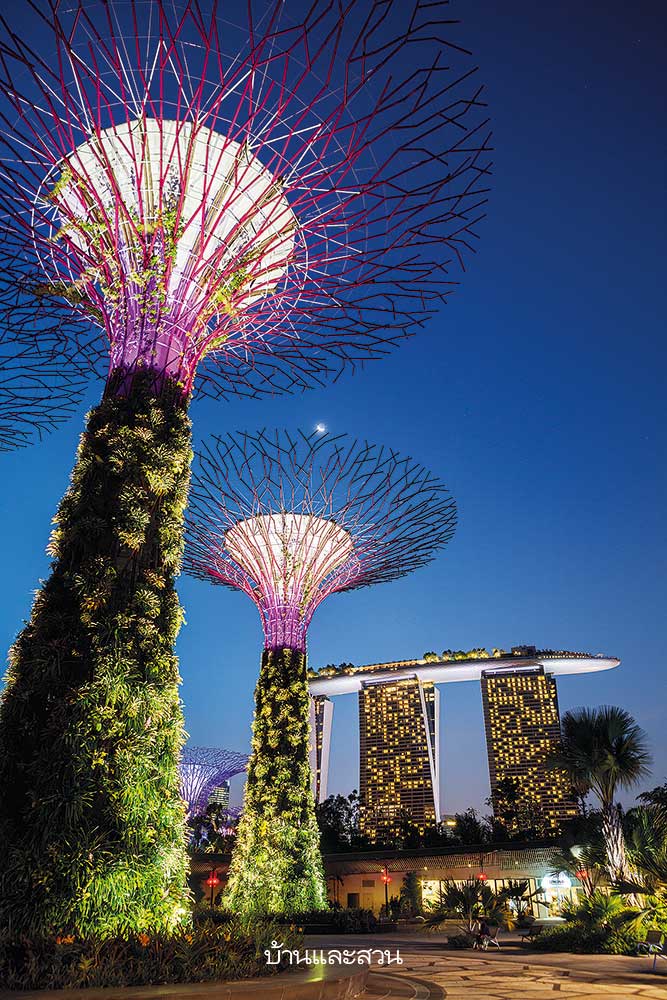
x=289 y=520
x=260 y=205
x=202 y=769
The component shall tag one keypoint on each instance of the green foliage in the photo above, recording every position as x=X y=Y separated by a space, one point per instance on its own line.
x=468 y=901
x=579 y=938
x=276 y=865
x=603 y=750
x=91 y=727
x=351 y=920
x=211 y=951
x=411 y=895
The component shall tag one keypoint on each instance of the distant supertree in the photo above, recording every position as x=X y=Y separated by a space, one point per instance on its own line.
x=289 y=520
x=204 y=768
x=263 y=204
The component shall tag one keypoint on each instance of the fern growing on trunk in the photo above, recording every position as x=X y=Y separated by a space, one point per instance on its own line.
x=91 y=821
x=276 y=864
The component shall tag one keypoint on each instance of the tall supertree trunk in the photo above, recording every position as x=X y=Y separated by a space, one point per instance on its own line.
x=91 y=821
x=276 y=865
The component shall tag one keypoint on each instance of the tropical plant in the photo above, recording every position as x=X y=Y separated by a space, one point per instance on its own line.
x=655 y=796
x=584 y=862
x=467 y=902
x=225 y=949
x=604 y=750
x=517 y=891
x=647 y=886
x=470 y=829
x=411 y=895
x=92 y=824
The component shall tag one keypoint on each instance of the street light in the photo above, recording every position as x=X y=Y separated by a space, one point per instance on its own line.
x=212 y=881
x=386 y=878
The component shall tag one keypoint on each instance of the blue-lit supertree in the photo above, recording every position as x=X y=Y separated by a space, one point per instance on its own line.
x=204 y=768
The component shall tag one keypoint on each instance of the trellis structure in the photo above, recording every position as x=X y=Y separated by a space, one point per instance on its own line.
x=204 y=768
x=289 y=520
x=235 y=207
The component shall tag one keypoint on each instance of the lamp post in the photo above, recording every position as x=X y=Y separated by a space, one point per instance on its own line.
x=211 y=882
x=386 y=878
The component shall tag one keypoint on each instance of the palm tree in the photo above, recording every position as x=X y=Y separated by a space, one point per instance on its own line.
x=647 y=846
x=603 y=750
x=468 y=901
x=583 y=861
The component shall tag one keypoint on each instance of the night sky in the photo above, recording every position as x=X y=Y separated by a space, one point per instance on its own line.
x=537 y=395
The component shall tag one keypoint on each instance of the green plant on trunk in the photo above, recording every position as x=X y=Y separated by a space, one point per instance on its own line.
x=92 y=834
x=276 y=865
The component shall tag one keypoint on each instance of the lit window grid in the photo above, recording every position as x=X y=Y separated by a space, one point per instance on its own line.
x=522 y=724
x=395 y=767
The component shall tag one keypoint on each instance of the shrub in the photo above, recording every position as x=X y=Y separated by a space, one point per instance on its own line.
x=459 y=941
x=341 y=921
x=578 y=938
x=207 y=952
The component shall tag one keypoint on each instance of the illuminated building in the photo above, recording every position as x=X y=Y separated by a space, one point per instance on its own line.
x=522 y=726
x=321 y=719
x=398 y=754
x=530 y=723
x=220 y=796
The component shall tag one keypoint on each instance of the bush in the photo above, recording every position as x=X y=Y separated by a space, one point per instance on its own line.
x=341 y=921
x=576 y=937
x=459 y=941
x=207 y=952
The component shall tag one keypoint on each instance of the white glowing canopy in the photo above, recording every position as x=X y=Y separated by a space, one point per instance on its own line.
x=289 y=555
x=232 y=211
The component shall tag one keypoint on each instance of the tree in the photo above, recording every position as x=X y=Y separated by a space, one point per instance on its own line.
x=470 y=829
x=338 y=820
x=584 y=862
x=411 y=895
x=647 y=886
x=655 y=796
x=603 y=750
x=516 y=814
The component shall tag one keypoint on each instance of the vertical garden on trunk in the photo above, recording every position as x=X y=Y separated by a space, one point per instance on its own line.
x=277 y=865
x=91 y=725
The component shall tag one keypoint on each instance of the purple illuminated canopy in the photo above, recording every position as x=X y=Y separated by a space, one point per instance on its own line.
x=204 y=768
x=269 y=200
x=291 y=519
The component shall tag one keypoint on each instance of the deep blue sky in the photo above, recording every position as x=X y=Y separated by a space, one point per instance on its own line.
x=537 y=395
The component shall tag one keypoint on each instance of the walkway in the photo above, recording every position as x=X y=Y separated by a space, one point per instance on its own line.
x=430 y=972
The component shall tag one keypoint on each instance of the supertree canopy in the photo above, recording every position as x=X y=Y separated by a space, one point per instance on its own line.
x=204 y=768
x=38 y=390
x=240 y=203
x=289 y=520
x=274 y=198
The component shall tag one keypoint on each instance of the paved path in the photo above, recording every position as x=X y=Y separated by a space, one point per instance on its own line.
x=429 y=972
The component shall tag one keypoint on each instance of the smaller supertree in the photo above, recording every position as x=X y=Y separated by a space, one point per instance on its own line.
x=290 y=520
x=204 y=768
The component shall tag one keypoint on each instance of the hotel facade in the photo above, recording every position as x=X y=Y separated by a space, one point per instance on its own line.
x=399 y=723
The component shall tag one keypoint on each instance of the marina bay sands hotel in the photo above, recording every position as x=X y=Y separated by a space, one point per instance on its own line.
x=399 y=721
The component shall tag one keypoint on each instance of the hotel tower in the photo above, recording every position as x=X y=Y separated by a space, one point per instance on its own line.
x=398 y=754
x=522 y=724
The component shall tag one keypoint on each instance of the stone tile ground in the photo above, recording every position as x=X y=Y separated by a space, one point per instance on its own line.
x=425 y=976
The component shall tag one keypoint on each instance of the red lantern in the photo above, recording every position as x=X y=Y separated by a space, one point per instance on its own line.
x=212 y=880
x=581 y=874
x=482 y=876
